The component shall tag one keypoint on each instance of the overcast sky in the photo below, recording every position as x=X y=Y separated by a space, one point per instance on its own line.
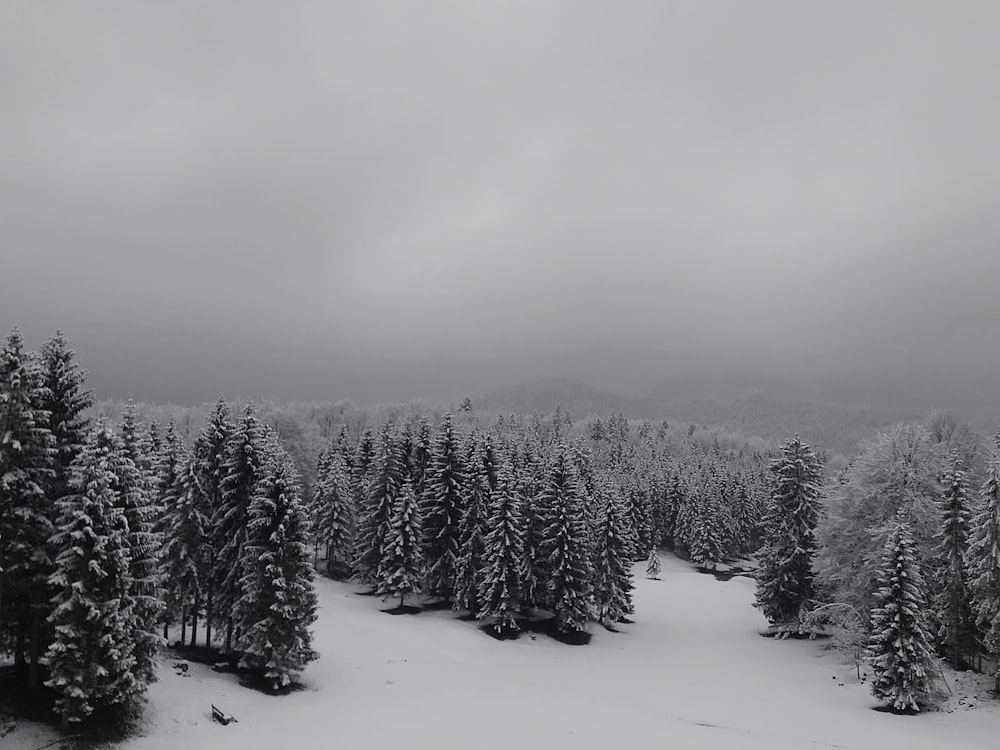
x=383 y=200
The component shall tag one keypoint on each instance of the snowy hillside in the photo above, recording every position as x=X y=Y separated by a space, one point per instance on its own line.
x=691 y=672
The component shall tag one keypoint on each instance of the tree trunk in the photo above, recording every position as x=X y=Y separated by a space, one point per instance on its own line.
x=194 y=619
x=208 y=617
x=229 y=634
x=34 y=671
x=20 y=662
x=184 y=625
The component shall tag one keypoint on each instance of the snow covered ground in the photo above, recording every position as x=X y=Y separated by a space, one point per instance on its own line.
x=692 y=672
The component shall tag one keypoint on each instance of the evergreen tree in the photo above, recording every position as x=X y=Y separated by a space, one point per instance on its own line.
x=471 y=530
x=335 y=516
x=708 y=542
x=91 y=660
x=952 y=600
x=244 y=463
x=400 y=567
x=503 y=557
x=898 y=649
x=653 y=567
x=183 y=563
x=385 y=483
x=442 y=508
x=984 y=560
x=277 y=601
x=210 y=453
x=613 y=559
x=529 y=484
x=785 y=579
x=27 y=514
x=135 y=489
x=564 y=545
x=66 y=402
x=168 y=491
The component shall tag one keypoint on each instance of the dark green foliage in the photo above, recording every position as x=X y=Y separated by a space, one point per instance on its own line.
x=785 y=580
x=898 y=647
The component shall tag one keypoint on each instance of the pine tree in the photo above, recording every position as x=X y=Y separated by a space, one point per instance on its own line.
x=530 y=481
x=91 y=659
x=984 y=560
x=135 y=489
x=183 y=564
x=952 y=599
x=504 y=569
x=169 y=465
x=441 y=509
x=385 y=482
x=785 y=579
x=653 y=567
x=400 y=567
x=471 y=529
x=564 y=544
x=277 y=601
x=244 y=462
x=898 y=647
x=27 y=514
x=335 y=516
x=708 y=542
x=613 y=559
x=210 y=452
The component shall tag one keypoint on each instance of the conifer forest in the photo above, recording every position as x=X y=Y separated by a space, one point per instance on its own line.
x=125 y=536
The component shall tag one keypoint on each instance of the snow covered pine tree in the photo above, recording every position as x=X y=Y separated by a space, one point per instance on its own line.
x=785 y=579
x=898 y=649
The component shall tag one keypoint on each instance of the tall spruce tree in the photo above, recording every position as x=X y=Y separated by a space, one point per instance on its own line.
x=984 y=561
x=898 y=648
x=336 y=518
x=565 y=544
x=441 y=509
x=91 y=659
x=504 y=568
x=400 y=569
x=210 y=453
x=136 y=486
x=785 y=580
x=472 y=528
x=277 y=602
x=244 y=462
x=386 y=476
x=168 y=471
x=952 y=599
x=614 y=545
x=183 y=563
x=27 y=514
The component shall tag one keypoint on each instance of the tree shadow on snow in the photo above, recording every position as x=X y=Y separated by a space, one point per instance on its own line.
x=403 y=609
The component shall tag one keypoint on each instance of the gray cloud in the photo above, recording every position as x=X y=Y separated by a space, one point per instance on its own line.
x=384 y=200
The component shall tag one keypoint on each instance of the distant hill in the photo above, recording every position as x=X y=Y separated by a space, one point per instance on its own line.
x=836 y=427
x=574 y=396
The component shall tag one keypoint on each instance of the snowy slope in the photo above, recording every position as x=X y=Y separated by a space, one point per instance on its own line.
x=691 y=673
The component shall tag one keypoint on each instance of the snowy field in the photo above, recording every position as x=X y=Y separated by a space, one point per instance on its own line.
x=692 y=672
